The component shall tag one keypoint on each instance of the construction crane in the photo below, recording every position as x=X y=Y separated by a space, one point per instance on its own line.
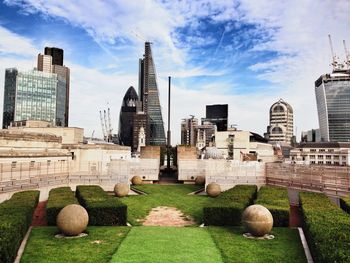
x=336 y=65
x=109 y=125
x=347 y=55
x=103 y=126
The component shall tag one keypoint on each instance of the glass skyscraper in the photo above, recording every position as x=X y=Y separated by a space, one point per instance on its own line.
x=34 y=95
x=333 y=105
x=148 y=92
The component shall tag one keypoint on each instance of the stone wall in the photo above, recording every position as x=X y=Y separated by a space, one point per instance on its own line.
x=226 y=173
x=186 y=153
x=150 y=152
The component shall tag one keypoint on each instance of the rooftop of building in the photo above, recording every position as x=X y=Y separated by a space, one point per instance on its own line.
x=324 y=145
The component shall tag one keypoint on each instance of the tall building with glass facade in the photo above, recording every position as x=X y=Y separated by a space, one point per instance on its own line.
x=333 y=105
x=34 y=95
x=217 y=114
x=52 y=62
x=149 y=97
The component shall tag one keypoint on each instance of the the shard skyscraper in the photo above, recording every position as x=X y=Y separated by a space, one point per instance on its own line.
x=149 y=97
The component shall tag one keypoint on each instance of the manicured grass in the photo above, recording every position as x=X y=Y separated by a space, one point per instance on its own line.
x=286 y=247
x=167 y=244
x=166 y=195
x=98 y=246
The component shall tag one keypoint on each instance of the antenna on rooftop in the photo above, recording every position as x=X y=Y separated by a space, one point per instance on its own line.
x=347 y=55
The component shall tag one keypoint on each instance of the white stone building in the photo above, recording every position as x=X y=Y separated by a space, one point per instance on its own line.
x=322 y=153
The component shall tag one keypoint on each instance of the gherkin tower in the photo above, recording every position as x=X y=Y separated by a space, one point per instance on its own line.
x=149 y=97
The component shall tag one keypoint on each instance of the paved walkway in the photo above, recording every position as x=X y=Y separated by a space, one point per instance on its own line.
x=295 y=217
x=39 y=215
x=167 y=216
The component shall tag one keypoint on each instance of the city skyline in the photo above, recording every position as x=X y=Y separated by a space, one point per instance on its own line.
x=242 y=53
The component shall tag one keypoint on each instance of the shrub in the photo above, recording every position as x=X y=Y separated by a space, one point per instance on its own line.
x=15 y=218
x=227 y=208
x=103 y=210
x=327 y=228
x=276 y=200
x=58 y=199
x=345 y=204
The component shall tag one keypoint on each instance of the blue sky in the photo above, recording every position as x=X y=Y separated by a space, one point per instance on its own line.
x=242 y=52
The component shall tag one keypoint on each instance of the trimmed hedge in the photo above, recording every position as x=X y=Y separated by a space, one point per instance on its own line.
x=103 y=210
x=15 y=218
x=277 y=201
x=345 y=204
x=58 y=199
x=327 y=228
x=227 y=208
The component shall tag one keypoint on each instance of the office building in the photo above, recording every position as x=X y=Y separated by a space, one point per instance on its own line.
x=126 y=118
x=56 y=54
x=321 y=153
x=280 y=129
x=33 y=95
x=149 y=97
x=217 y=114
x=52 y=62
x=312 y=135
x=189 y=131
x=332 y=98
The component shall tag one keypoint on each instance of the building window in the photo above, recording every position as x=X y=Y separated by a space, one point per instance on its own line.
x=320 y=156
x=312 y=156
x=13 y=165
x=328 y=162
x=343 y=163
x=48 y=162
x=336 y=157
x=319 y=162
x=32 y=164
x=336 y=163
x=312 y=150
x=330 y=150
x=343 y=157
x=328 y=157
x=312 y=162
x=322 y=150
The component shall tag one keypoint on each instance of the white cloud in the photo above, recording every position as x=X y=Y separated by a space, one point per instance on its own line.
x=296 y=31
x=14 y=44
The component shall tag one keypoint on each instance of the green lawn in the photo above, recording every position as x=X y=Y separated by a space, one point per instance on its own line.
x=166 y=195
x=98 y=246
x=168 y=244
x=286 y=247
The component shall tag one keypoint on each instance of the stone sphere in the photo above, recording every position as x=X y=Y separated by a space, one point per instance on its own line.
x=136 y=180
x=213 y=189
x=200 y=180
x=72 y=220
x=121 y=190
x=257 y=220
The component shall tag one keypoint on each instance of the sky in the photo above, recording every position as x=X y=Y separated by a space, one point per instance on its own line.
x=244 y=53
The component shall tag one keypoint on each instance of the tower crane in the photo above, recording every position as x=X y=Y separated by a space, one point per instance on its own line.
x=103 y=126
x=336 y=65
x=347 y=55
x=109 y=125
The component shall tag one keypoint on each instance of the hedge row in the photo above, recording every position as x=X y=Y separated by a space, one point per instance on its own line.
x=345 y=204
x=15 y=218
x=276 y=200
x=227 y=208
x=103 y=210
x=58 y=199
x=327 y=228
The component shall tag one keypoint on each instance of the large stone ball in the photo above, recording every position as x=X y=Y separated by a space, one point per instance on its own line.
x=200 y=180
x=257 y=220
x=136 y=180
x=121 y=190
x=72 y=220
x=213 y=189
